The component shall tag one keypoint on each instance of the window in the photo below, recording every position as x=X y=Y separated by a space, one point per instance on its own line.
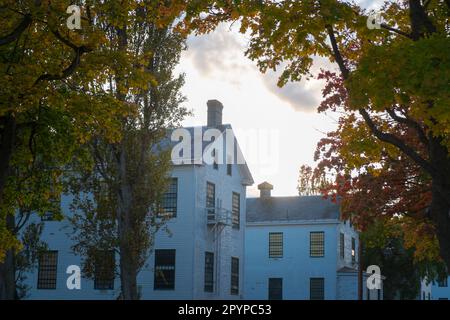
x=275 y=245
x=353 y=250
x=442 y=283
x=423 y=295
x=104 y=270
x=316 y=289
x=275 y=289
x=48 y=266
x=209 y=272
x=234 y=276
x=316 y=244
x=210 y=199
x=169 y=200
x=342 y=246
x=164 y=270
x=429 y=296
x=379 y=294
x=229 y=169
x=236 y=210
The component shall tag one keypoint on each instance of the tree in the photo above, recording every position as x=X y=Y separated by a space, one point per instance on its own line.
x=397 y=74
x=309 y=182
x=51 y=88
x=403 y=268
x=119 y=198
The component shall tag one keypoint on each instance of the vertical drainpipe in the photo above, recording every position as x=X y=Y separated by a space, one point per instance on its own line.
x=193 y=231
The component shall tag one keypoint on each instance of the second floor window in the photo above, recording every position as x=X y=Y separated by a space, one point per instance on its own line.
x=164 y=270
x=234 y=276
x=317 y=244
x=210 y=198
x=104 y=270
x=169 y=200
x=275 y=245
x=209 y=272
x=342 y=245
x=229 y=169
x=236 y=210
x=47 y=270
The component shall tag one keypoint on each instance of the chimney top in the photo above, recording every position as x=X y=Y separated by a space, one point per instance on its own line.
x=215 y=108
x=264 y=189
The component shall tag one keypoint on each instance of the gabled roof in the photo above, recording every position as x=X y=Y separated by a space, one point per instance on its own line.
x=247 y=178
x=291 y=208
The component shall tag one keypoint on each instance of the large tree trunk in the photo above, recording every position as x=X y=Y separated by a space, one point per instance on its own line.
x=8 y=137
x=7 y=269
x=128 y=265
x=440 y=203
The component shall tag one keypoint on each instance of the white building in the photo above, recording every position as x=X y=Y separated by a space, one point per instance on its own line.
x=435 y=290
x=202 y=257
x=298 y=248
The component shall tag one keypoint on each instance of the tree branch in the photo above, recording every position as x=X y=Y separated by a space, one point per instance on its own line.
x=392 y=139
x=400 y=32
x=79 y=51
x=336 y=53
x=15 y=34
x=410 y=123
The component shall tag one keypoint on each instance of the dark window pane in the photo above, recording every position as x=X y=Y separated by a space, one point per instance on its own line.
x=104 y=270
x=234 y=276
x=316 y=289
x=342 y=245
x=275 y=245
x=209 y=271
x=317 y=244
x=164 y=270
x=229 y=169
x=236 y=210
x=275 y=289
x=48 y=266
x=210 y=200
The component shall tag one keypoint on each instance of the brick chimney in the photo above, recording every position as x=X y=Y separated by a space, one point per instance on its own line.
x=264 y=190
x=214 y=113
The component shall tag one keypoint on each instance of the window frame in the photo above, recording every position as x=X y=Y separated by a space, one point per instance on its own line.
x=169 y=269
x=169 y=211
x=315 y=252
x=342 y=245
x=280 y=288
x=315 y=295
x=234 y=285
x=49 y=282
x=209 y=272
x=210 y=201
x=106 y=283
x=276 y=246
x=236 y=214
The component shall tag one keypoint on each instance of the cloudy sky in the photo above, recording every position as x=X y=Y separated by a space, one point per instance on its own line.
x=278 y=128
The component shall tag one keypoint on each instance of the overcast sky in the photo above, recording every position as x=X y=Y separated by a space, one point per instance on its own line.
x=278 y=128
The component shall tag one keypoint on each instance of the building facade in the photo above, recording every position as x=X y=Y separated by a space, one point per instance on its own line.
x=199 y=256
x=298 y=248
x=435 y=290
